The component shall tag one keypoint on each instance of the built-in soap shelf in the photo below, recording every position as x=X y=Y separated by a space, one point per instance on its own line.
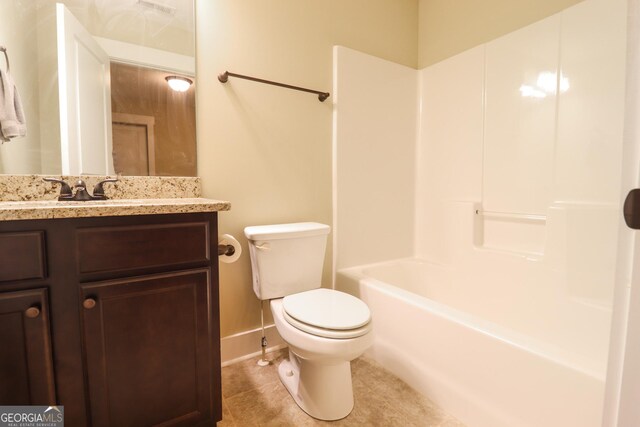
x=515 y=233
x=508 y=216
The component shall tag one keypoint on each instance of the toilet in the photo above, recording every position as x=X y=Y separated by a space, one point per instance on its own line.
x=324 y=328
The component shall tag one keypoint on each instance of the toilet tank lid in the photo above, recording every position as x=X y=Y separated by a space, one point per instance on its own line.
x=286 y=231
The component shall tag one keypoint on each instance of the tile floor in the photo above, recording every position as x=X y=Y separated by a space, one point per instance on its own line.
x=253 y=396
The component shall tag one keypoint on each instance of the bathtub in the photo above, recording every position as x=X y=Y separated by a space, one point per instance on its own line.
x=485 y=357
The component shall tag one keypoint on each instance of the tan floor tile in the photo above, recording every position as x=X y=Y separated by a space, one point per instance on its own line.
x=262 y=405
x=248 y=375
x=369 y=408
x=293 y=416
x=451 y=422
x=254 y=396
x=227 y=419
x=411 y=404
x=370 y=371
x=415 y=408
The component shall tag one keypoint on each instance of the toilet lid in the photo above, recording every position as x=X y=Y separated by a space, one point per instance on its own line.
x=327 y=312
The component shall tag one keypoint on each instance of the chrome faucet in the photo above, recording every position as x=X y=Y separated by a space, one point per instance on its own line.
x=81 y=193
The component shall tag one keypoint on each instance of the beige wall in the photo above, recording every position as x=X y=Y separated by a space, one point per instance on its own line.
x=449 y=27
x=268 y=149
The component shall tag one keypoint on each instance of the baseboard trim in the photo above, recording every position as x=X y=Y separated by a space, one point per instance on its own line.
x=245 y=345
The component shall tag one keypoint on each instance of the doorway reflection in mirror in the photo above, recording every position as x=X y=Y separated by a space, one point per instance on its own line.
x=153 y=125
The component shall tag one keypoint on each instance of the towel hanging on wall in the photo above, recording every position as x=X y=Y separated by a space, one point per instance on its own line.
x=12 y=122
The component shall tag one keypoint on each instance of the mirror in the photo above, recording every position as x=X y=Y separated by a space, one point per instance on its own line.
x=92 y=80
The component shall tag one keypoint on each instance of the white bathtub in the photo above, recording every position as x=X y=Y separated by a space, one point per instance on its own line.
x=489 y=360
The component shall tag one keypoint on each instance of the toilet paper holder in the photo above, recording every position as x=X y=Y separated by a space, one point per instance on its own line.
x=229 y=249
x=226 y=250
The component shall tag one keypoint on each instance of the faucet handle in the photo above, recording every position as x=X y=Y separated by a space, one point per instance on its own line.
x=98 y=190
x=65 y=190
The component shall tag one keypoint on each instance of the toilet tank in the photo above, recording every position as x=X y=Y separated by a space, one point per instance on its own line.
x=286 y=258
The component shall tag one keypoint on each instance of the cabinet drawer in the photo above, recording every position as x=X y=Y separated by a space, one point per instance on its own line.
x=22 y=255
x=140 y=247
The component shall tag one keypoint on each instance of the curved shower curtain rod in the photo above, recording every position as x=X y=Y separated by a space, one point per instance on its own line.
x=224 y=77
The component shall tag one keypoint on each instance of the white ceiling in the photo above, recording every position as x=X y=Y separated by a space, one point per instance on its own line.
x=131 y=22
x=182 y=17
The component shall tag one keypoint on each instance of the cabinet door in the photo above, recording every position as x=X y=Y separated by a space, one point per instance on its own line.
x=147 y=346
x=26 y=368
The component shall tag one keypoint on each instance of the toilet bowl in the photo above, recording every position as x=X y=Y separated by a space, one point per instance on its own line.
x=324 y=328
x=318 y=372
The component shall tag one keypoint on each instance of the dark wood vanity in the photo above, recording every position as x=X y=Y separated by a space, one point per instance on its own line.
x=116 y=318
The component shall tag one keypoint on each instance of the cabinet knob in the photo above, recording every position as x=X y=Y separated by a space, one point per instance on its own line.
x=89 y=303
x=32 y=312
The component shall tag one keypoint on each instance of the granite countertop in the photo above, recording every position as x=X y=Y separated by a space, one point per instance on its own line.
x=17 y=188
x=29 y=197
x=50 y=209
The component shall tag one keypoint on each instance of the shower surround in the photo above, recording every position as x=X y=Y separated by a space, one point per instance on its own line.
x=493 y=177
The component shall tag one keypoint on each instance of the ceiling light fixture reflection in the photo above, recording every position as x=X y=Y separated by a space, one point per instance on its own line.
x=179 y=84
x=547 y=81
x=531 y=92
x=546 y=84
x=564 y=84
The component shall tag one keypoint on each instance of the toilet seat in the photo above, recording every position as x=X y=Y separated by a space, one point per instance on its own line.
x=327 y=313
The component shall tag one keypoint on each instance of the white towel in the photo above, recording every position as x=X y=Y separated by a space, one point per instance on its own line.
x=12 y=123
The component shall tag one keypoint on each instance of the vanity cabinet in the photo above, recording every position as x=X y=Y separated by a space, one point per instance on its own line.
x=147 y=346
x=127 y=306
x=25 y=349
